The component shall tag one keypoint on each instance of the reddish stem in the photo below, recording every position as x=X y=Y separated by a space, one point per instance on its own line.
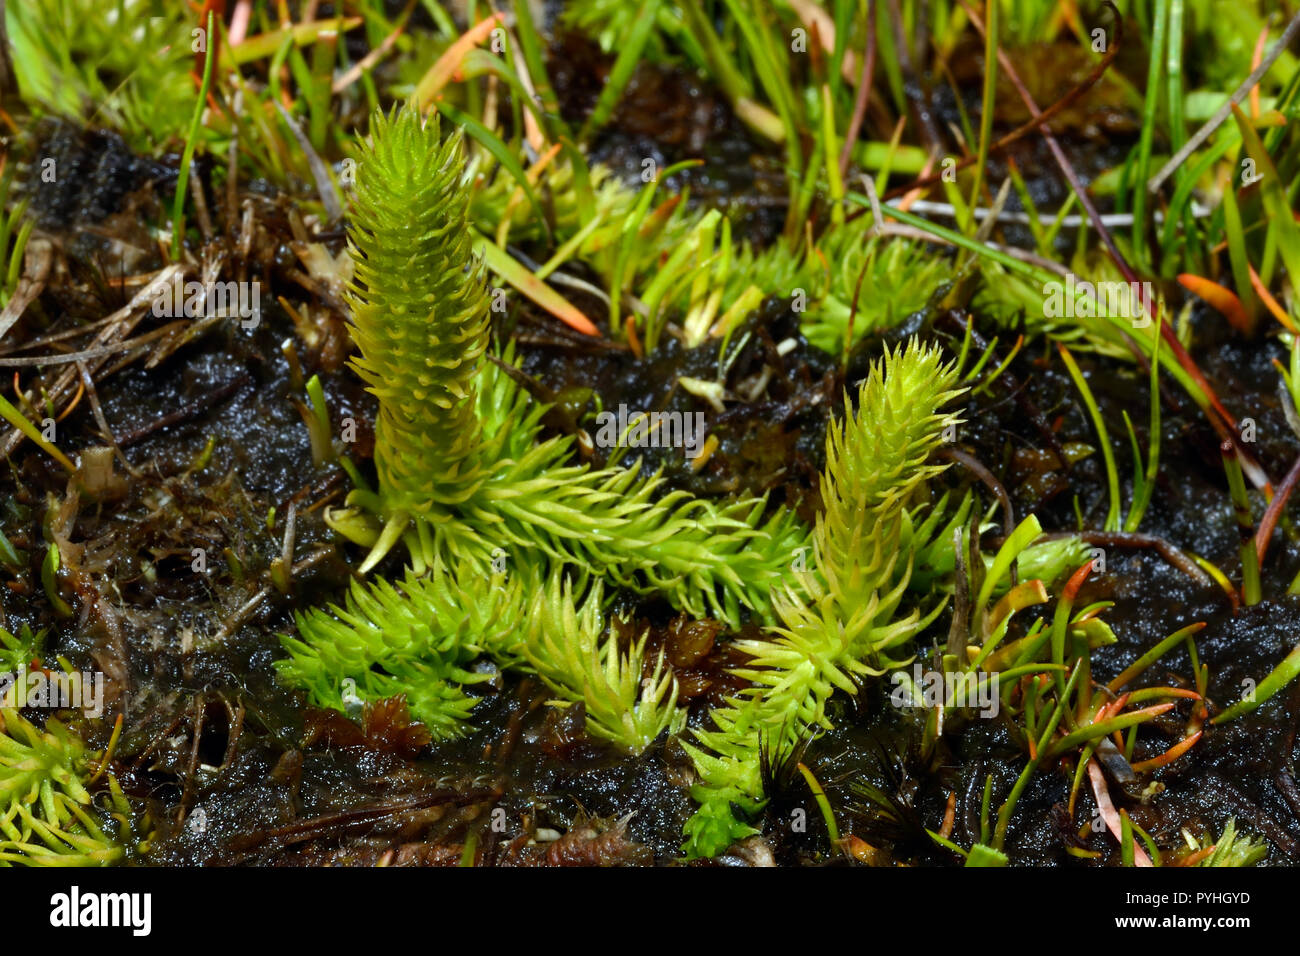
x=1274 y=511
x=1227 y=427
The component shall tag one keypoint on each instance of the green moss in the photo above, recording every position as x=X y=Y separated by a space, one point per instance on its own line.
x=420 y=639
x=850 y=619
x=1234 y=849
x=513 y=547
x=46 y=817
x=463 y=476
x=131 y=71
x=419 y=314
x=19 y=650
x=563 y=644
x=468 y=486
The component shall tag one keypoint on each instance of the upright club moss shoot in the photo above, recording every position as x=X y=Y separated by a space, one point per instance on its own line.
x=419 y=316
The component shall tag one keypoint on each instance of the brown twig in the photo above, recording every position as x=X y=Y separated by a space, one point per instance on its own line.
x=187 y=412
x=1174 y=555
x=249 y=607
x=477 y=791
x=976 y=467
x=116 y=327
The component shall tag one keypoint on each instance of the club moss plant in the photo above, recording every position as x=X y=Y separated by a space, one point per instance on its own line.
x=465 y=482
x=46 y=816
x=849 y=619
x=515 y=550
x=461 y=472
